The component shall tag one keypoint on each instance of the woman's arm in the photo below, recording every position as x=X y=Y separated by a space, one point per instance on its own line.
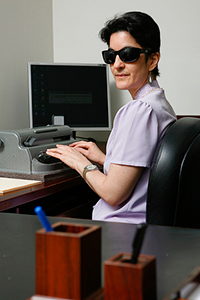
x=114 y=188
x=117 y=186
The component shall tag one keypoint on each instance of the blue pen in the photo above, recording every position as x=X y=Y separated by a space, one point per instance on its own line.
x=43 y=219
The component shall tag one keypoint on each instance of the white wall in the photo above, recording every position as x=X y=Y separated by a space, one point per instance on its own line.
x=26 y=34
x=75 y=29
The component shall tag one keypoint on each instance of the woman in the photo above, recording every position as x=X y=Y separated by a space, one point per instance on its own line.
x=133 y=54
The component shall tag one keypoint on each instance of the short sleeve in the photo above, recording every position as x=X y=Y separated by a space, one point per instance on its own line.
x=135 y=135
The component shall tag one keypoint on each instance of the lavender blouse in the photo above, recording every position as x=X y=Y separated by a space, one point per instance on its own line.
x=137 y=131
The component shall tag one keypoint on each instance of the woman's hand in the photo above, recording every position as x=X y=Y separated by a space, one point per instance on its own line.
x=70 y=156
x=90 y=150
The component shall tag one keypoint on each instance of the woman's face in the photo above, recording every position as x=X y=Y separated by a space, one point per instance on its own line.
x=129 y=76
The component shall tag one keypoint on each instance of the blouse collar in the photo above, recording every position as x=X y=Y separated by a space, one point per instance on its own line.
x=145 y=89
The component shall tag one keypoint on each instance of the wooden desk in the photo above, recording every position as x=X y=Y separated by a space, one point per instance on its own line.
x=176 y=250
x=68 y=196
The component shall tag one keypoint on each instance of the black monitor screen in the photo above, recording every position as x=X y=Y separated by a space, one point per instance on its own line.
x=69 y=94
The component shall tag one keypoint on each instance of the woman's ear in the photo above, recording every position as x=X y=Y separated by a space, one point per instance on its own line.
x=154 y=59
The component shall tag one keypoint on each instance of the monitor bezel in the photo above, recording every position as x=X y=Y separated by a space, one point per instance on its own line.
x=107 y=128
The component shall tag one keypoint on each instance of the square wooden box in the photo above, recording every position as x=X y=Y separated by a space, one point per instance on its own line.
x=68 y=261
x=126 y=281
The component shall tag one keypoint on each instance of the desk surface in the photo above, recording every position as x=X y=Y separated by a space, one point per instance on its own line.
x=176 y=250
x=22 y=196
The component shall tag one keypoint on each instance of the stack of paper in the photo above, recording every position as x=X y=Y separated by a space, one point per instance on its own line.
x=12 y=184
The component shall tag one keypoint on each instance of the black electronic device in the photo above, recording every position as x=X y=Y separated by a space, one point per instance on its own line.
x=76 y=95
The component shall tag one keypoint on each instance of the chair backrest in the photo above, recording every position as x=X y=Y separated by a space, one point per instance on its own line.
x=174 y=183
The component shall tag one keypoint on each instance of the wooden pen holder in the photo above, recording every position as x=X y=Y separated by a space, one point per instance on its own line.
x=68 y=261
x=126 y=281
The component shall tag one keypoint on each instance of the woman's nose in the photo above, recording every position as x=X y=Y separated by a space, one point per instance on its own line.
x=118 y=62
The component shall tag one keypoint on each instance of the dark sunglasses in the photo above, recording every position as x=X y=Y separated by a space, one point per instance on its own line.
x=127 y=54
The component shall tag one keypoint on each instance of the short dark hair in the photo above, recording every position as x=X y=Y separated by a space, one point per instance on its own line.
x=140 y=25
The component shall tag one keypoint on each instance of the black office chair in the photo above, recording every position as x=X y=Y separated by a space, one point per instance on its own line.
x=174 y=184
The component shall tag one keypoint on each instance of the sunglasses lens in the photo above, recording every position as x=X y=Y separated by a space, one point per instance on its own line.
x=129 y=54
x=109 y=56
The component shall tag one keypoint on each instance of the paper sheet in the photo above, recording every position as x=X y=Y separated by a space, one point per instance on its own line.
x=12 y=184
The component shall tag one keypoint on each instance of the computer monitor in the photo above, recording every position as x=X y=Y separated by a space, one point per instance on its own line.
x=76 y=95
